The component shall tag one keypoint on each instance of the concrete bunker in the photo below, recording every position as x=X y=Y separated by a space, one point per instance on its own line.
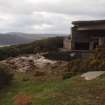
x=87 y=35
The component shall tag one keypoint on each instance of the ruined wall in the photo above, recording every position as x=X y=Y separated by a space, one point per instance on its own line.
x=67 y=43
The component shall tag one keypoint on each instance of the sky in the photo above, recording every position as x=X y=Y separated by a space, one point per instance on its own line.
x=47 y=16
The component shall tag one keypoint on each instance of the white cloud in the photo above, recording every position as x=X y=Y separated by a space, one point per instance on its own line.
x=44 y=1
x=42 y=26
x=47 y=16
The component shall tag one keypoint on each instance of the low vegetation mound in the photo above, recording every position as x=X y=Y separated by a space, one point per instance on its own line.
x=5 y=75
x=94 y=62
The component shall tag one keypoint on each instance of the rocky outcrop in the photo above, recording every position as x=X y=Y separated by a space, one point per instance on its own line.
x=36 y=63
x=92 y=75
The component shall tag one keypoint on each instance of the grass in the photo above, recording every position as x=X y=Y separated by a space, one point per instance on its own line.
x=74 y=91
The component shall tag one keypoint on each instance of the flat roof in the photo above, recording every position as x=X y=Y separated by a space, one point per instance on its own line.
x=88 y=22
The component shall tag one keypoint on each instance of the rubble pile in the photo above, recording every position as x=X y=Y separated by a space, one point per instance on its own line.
x=34 y=62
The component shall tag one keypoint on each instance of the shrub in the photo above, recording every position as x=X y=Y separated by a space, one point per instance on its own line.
x=5 y=75
x=68 y=75
x=94 y=62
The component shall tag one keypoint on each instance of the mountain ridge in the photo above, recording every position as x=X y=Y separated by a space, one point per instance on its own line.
x=14 y=38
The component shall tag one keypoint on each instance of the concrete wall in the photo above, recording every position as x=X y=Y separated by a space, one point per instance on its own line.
x=87 y=35
x=67 y=43
x=92 y=27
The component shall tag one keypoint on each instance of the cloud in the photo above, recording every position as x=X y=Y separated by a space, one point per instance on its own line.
x=47 y=16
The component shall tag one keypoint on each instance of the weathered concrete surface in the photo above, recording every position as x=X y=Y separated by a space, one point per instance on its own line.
x=92 y=75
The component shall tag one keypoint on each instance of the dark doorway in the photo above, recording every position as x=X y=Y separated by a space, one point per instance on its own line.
x=82 y=46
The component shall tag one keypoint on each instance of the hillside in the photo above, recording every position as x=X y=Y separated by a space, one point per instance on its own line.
x=14 y=38
x=38 y=46
x=74 y=91
x=38 y=80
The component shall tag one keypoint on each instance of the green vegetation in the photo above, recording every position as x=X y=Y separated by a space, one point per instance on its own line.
x=5 y=75
x=74 y=91
x=45 y=45
x=94 y=62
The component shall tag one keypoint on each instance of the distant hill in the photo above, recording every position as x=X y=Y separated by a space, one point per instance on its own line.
x=14 y=38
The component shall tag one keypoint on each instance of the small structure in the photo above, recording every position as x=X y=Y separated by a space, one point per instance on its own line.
x=87 y=35
x=67 y=43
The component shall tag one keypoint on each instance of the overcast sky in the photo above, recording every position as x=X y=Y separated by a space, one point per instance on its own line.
x=47 y=16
